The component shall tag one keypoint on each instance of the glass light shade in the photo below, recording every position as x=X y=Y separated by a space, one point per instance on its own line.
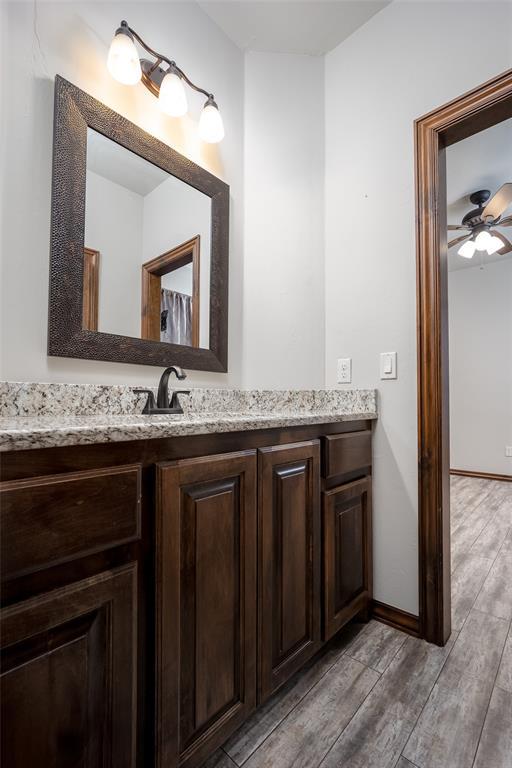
x=483 y=240
x=494 y=245
x=467 y=250
x=172 y=98
x=123 y=60
x=211 y=127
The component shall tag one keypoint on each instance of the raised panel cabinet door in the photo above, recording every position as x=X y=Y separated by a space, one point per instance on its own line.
x=347 y=525
x=289 y=561
x=68 y=678
x=205 y=604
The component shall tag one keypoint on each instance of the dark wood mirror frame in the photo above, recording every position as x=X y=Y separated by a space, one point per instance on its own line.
x=74 y=112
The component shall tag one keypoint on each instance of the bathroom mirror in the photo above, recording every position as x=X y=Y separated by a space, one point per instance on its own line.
x=139 y=251
x=147 y=248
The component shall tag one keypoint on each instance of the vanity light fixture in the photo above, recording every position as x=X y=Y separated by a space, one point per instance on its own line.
x=166 y=84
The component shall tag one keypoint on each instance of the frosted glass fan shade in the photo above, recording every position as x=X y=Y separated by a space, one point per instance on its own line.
x=467 y=250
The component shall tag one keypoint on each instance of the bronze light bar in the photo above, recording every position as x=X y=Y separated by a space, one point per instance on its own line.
x=125 y=66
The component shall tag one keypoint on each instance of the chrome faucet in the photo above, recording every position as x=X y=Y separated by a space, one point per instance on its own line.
x=162 y=398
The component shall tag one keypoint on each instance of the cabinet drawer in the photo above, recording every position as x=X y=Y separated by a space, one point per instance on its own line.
x=348 y=453
x=57 y=518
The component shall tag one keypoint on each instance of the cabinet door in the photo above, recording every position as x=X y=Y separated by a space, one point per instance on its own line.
x=206 y=604
x=69 y=676
x=347 y=553
x=290 y=561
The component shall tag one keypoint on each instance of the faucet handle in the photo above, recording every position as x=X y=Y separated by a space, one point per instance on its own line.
x=150 y=402
x=175 y=403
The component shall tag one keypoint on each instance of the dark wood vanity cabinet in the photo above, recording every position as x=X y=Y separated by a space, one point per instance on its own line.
x=206 y=548
x=155 y=592
x=68 y=684
x=347 y=553
x=290 y=561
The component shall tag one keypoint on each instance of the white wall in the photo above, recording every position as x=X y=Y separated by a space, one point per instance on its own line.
x=72 y=39
x=283 y=238
x=480 y=310
x=113 y=226
x=173 y=214
x=407 y=60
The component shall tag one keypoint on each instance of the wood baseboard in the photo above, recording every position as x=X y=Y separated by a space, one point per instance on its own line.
x=484 y=475
x=396 y=618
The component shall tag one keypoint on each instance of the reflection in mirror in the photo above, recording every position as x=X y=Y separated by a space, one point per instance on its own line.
x=147 y=249
x=91 y=283
x=170 y=295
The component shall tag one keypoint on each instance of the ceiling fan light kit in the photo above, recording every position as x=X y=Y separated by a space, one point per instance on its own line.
x=167 y=84
x=480 y=223
x=467 y=250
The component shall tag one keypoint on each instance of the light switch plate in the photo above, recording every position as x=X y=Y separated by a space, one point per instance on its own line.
x=344 y=370
x=508 y=451
x=388 y=365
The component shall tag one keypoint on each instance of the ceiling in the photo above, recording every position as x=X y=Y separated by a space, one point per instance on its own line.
x=290 y=26
x=483 y=161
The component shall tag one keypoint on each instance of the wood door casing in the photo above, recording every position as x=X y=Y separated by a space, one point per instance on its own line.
x=289 y=561
x=475 y=111
x=151 y=283
x=91 y=289
x=205 y=603
x=347 y=553
x=69 y=675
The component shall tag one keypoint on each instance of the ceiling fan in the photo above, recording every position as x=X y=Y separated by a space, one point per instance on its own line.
x=480 y=223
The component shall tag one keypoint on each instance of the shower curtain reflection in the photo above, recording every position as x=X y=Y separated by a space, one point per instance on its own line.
x=176 y=317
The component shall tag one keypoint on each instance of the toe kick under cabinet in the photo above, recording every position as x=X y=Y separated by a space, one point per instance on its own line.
x=154 y=593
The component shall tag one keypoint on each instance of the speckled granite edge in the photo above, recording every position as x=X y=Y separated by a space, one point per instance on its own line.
x=28 y=432
x=45 y=399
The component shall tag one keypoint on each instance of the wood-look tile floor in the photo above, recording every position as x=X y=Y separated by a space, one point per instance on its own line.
x=377 y=698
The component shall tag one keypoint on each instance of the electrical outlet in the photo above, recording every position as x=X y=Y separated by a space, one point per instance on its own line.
x=508 y=451
x=344 y=370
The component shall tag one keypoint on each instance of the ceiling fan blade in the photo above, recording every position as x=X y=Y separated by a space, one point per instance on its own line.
x=507 y=245
x=457 y=226
x=505 y=222
x=499 y=202
x=458 y=240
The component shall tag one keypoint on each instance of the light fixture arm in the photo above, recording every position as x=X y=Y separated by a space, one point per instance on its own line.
x=160 y=57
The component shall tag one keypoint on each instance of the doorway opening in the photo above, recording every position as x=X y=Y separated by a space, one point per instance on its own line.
x=174 y=274
x=476 y=111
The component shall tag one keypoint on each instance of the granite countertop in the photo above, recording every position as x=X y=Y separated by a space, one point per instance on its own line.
x=52 y=415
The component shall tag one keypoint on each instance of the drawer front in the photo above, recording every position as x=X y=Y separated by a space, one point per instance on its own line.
x=348 y=453
x=53 y=519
